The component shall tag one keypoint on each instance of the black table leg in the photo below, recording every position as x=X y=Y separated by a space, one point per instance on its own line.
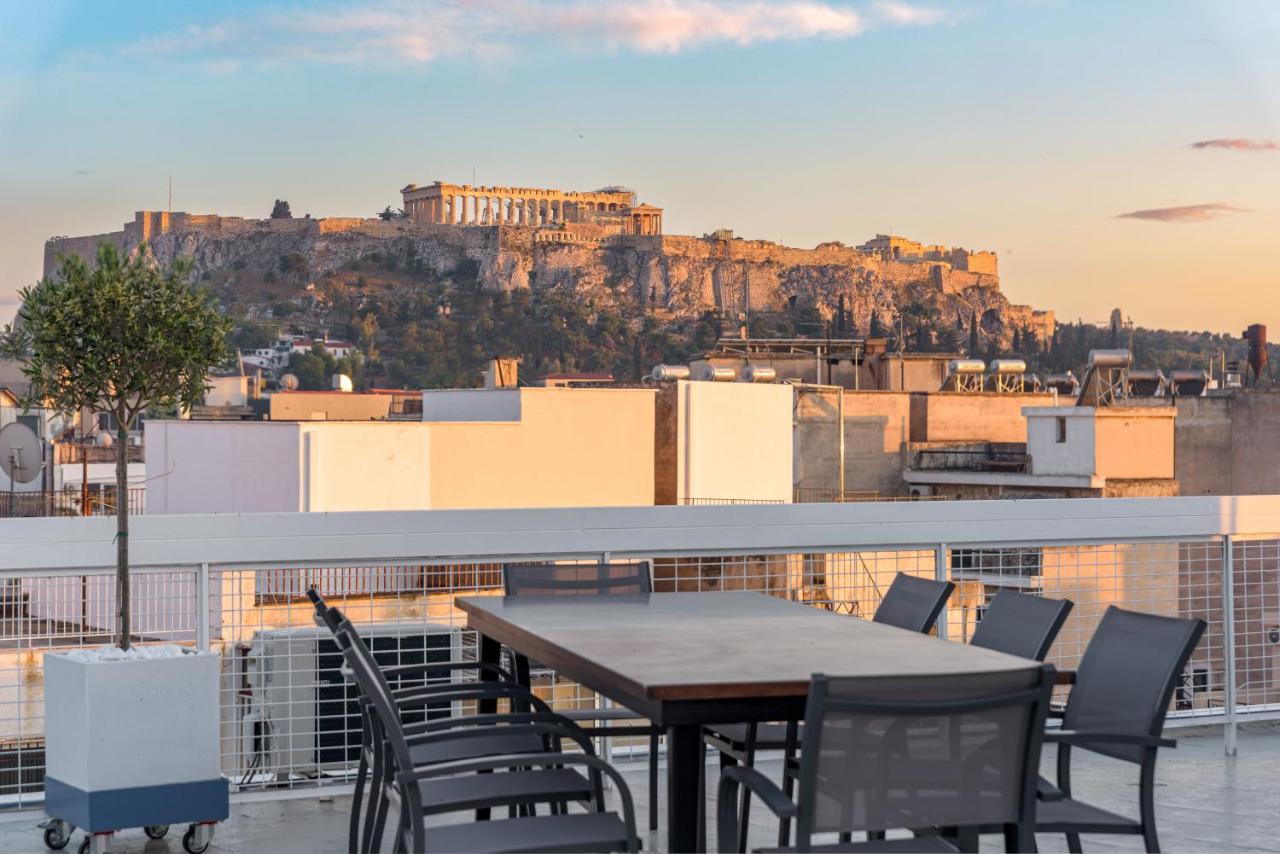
x=685 y=758
x=490 y=653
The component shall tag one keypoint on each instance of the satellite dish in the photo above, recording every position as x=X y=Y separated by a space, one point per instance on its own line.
x=20 y=456
x=289 y=382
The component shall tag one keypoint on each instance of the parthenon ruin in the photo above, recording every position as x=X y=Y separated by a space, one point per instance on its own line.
x=463 y=204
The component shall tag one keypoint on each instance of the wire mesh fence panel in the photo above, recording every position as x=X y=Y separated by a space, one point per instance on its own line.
x=54 y=614
x=1167 y=578
x=289 y=718
x=1255 y=585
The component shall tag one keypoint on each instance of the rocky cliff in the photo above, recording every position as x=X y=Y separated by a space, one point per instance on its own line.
x=669 y=277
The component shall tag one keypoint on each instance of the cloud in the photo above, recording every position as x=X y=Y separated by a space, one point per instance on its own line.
x=1185 y=213
x=1239 y=144
x=401 y=32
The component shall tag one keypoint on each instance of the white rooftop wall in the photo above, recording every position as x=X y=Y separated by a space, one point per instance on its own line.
x=735 y=442
x=471 y=404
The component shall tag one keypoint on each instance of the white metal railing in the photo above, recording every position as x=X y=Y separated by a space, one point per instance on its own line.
x=235 y=583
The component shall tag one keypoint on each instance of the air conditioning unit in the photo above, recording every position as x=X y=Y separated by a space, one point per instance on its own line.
x=297 y=714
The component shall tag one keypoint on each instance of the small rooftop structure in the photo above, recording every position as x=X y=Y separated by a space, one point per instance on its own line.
x=575 y=380
x=1070 y=451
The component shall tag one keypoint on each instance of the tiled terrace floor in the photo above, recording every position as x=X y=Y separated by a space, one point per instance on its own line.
x=1206 y=802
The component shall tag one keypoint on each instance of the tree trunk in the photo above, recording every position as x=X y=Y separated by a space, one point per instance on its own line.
x=122 y=535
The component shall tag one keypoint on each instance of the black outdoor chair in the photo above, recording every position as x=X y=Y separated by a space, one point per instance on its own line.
x=590 y=579
x=910 y=603
x=368 y=821
x=931 y=755
x=1117 y=708
x=913 y=603
x=518 y=781
x=1021 y=625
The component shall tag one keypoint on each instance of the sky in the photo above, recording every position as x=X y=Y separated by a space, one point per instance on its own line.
x=1114 y=154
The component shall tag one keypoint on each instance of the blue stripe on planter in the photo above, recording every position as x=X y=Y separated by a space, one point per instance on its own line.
x=116 y=809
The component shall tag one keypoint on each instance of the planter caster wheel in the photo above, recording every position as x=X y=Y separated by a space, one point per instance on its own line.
x=156 y=831
x=57 y=833
x=197 y=838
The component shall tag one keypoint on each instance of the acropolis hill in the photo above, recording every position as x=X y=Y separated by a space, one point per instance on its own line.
x=604 y=245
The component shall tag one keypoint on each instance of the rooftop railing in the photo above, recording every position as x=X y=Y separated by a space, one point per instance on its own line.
x=235 y=584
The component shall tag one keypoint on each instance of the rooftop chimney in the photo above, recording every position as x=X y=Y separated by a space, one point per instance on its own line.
x=501 y=373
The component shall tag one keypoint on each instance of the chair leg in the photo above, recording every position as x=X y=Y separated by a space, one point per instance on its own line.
x=357 y=799
x=653 y=780
x=744 y=809
x=1073 y=843
x=376 y=813
x=788 y=782
x=1147 y=799
x=1016 y=838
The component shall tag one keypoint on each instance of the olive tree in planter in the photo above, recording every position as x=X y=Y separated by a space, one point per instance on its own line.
x=132 y=733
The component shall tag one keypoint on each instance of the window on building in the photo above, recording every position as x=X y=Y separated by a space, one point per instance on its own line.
x=1062 y=429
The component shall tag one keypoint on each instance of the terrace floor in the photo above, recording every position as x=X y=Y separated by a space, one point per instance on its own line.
x=1206 y=802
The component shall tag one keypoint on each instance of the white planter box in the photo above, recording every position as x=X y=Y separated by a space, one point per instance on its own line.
x=133 y=742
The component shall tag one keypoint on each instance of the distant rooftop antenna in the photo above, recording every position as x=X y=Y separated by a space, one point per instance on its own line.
x=170 y=208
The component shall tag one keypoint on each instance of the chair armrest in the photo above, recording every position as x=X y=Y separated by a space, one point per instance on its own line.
x=727 y=802
x=596 y=766
x=763 y=788
x=1080 y=738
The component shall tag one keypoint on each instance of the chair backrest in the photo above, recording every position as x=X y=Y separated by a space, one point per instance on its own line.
x=576 y=579
x=374 y=688
x=921 y=752
x=1020 y=624
x=913 y=603
x=323 y=611
x=1127 y=676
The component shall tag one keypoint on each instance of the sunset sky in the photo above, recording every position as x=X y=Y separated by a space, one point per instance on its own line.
x=1114 y=154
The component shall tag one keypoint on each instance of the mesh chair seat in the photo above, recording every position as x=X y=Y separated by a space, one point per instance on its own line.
x=475 y=748
x=613 y=713
x=452 y=794
x=1070 y=816
x=906 y=845
x=573 y=832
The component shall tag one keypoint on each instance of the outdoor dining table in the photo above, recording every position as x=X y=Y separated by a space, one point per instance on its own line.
x=685 y=660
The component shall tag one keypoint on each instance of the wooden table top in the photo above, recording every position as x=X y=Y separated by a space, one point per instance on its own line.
x=713 y=646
